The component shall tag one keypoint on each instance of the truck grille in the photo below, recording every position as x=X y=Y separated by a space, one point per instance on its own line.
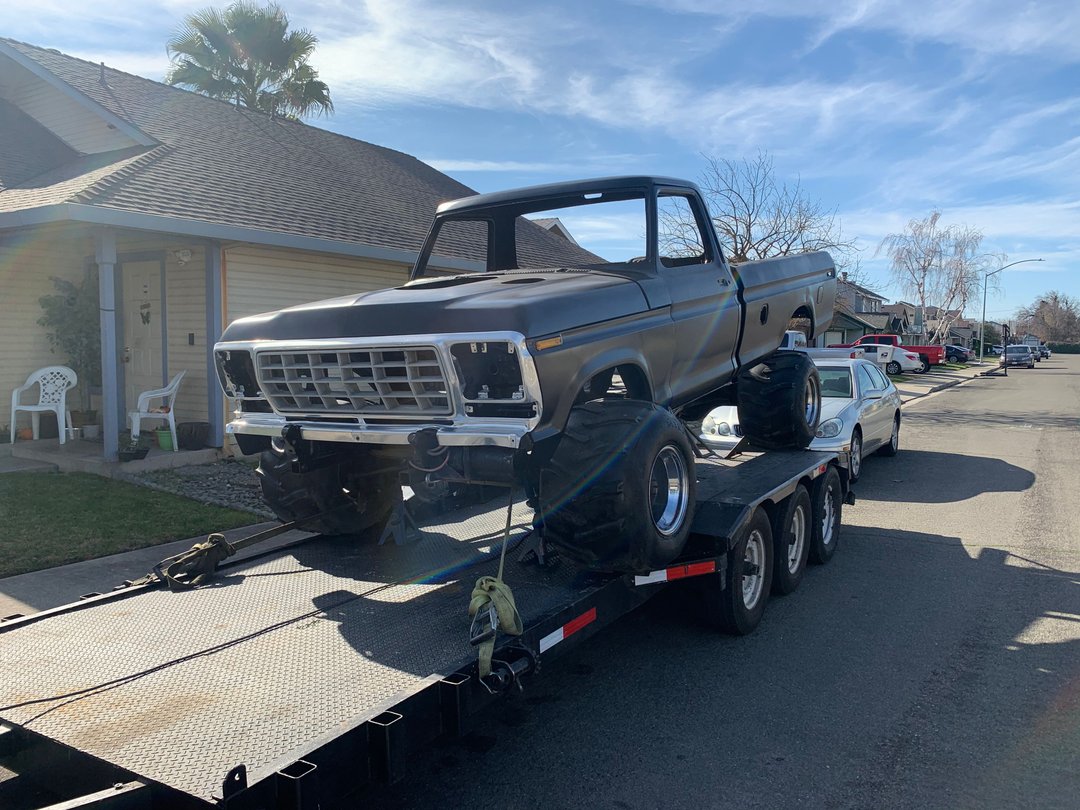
x=372 y=381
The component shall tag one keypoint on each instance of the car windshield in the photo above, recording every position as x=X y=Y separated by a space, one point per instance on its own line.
x=1018 y=350
x=835 y=382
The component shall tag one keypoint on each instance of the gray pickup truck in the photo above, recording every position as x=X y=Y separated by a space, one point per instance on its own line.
x=540 y=365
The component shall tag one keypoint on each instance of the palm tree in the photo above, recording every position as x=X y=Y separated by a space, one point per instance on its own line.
x=247 y=53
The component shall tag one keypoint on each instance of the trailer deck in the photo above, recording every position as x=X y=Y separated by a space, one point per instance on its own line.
x=322 y=651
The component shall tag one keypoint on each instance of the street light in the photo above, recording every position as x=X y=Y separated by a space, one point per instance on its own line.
x=982 y=322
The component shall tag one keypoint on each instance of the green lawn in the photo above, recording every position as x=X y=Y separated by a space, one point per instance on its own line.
x=49 y=519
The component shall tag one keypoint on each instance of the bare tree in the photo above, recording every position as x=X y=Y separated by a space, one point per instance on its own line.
x=1054 y=317
x=937 y=266
x=758 y=217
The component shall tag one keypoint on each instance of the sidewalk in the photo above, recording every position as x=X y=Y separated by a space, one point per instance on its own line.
x=914 y=386
x=41 y=590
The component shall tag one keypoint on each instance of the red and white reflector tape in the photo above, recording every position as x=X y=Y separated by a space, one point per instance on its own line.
x=677 y=572
x=567 y=630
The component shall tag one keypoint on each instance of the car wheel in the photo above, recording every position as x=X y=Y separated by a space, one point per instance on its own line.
x=925 y=367
x=893 y=446
x=619 y=490
x=779 y=401
x=791 y=538
x=827 y=502
x=893 y=368
x=736 y=603
x=855 y=470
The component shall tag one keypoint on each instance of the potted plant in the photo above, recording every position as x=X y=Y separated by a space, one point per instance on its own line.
x=73 y=326
x=134 y=449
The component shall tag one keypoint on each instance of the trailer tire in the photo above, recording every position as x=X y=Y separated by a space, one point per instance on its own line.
x=736 y=603
x=791 y=540
x=827 y=502
x=618 y=492
x=779 y=401
x=293 y=496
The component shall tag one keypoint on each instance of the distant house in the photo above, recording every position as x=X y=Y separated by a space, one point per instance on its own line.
x=192 y=212
x=556 y=226
x=859 y=311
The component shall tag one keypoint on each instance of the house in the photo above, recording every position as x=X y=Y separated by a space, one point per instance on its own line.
x=902 y=322
x=859 y=311
x=189 y=212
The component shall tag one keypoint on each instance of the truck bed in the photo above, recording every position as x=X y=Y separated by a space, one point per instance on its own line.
x=281 y=653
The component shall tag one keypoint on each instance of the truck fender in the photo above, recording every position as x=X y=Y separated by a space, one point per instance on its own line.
x=643 y=388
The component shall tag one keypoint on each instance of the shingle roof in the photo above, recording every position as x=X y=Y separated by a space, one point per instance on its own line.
x=220 y=164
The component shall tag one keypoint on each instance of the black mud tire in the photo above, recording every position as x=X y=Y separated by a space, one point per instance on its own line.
x=791 y=540
x=779 y=401
x=293 y=496
x=600 y=493
x=827 y=503
x=892 y=447
x=726 y=604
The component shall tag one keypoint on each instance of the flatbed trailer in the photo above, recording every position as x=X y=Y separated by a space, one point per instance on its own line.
x=294 y=678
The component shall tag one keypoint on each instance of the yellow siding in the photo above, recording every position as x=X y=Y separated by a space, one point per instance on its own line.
x=28 y=260
x=262 y=279
x=80 y=128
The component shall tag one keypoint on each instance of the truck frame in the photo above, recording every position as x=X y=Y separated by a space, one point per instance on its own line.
x=147 y=698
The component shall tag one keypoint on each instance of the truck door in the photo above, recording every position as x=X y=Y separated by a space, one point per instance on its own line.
x=704 y=305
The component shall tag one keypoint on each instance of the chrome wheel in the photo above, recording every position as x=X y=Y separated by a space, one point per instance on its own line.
x=812 y=396
x=856 y=454
x=894 y=440
x=669 y=488
x=828 y=519
x=798 y=539
x=753 y=577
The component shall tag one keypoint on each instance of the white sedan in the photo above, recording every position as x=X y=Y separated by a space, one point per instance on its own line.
x=860 y=414
x=892 y=358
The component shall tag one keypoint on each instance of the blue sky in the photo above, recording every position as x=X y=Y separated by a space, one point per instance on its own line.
x=885 y=110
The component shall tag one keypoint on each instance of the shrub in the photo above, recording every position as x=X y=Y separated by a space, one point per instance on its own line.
x=1064 y=348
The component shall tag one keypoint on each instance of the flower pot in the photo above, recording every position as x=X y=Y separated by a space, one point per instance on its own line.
x=192 y=435
x=164 y=438
x=132 y=453
x=24 y=434
x=91 y=431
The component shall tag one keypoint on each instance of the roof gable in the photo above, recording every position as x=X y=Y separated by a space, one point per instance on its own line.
x=218 y=169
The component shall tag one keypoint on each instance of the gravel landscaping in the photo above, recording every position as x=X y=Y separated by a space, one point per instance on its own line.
x=230 y=483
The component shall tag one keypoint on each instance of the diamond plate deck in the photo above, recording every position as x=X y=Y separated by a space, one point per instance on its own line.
x=180 y=687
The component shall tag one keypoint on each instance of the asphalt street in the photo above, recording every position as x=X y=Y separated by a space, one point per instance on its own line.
x=935 y=662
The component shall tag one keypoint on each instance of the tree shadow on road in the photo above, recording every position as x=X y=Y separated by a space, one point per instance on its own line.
x=927 y=476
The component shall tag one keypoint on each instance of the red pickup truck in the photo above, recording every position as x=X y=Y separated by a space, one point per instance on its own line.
x=930 y=355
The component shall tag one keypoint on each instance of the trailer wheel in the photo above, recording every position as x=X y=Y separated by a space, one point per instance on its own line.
x=791 y=537
x=736 y=604
x=360 y=501
x=826 y=500
x=618 y=492
x=779 y=401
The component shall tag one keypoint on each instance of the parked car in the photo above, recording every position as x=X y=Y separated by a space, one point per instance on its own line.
x=1018 y=355
x=997 y=351
x=1044 y=352
x=860 y=414
x=957 y=354
x=891 y=358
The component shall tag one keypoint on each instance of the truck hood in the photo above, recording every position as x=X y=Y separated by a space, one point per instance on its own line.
x=533 y=303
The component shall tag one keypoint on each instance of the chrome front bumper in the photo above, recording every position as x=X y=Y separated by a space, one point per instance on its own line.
x=482 y=434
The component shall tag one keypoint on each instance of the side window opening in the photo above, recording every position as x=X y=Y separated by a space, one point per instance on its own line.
x=678 y=232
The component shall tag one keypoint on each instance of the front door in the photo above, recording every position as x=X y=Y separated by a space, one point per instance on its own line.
x=143 y=316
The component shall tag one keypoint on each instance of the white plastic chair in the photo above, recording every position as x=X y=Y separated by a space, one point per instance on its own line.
x=53 y=384
x=167 y=395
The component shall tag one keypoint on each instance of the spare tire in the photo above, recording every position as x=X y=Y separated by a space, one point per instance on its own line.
x=618 y=492
x=779 y=401
x=354 y=498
